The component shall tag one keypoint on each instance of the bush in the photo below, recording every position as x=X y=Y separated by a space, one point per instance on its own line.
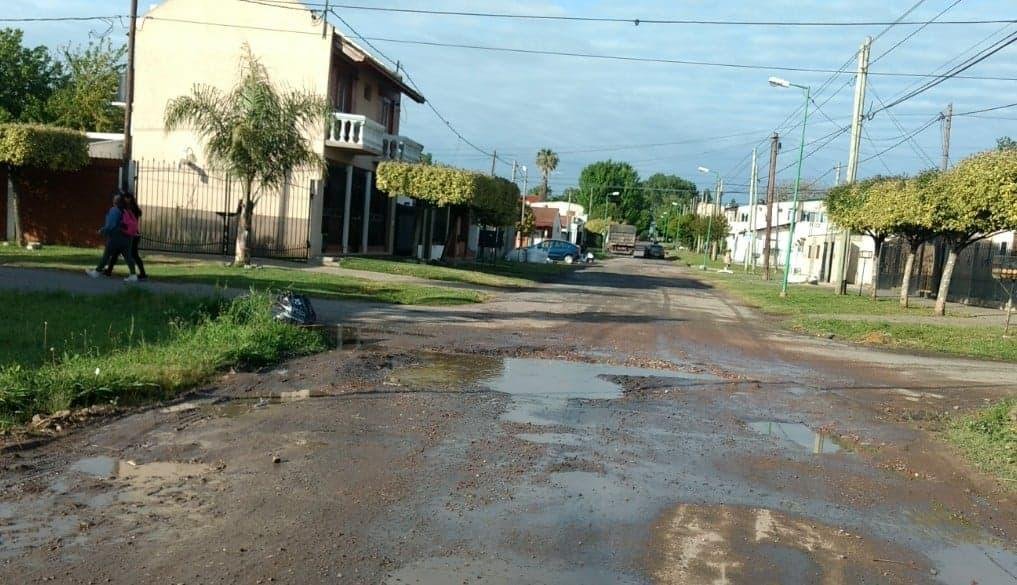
x=45 y=147
x=495 y=200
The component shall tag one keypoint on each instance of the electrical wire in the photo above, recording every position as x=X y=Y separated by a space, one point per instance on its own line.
x=915 y=146
x=910 y=135
x=994 y=108
x=914 y=32
x=635 y=21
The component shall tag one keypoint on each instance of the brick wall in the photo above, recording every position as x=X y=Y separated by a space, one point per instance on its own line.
x=66 y=208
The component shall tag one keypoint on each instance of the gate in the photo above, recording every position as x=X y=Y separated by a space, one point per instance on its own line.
x=188 y=210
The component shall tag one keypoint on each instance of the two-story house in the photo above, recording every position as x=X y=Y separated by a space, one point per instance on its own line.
x=183 y=43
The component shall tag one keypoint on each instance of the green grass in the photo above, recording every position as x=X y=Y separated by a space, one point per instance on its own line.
x=500 y=275
x=980 y=342
x=989 y=438
x=152 y=349
x=298 y=279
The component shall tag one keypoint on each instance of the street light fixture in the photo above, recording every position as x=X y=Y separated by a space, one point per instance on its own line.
x=606 y=199
x=783 y=83
x=709 y=223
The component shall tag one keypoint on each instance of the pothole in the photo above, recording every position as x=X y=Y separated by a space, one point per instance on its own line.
x=816 y=442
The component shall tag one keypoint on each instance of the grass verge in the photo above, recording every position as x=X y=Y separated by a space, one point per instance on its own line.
x=313 y=283
x=989 y=438
x=131 y=346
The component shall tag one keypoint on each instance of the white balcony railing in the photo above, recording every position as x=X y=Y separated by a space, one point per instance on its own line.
x=351 y=131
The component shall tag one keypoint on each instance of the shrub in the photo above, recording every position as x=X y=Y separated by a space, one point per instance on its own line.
x=45 y=147
x=495 y=200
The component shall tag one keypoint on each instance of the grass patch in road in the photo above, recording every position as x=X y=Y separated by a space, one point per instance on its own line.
x=185 y=341
x=298 y=279
x=989 y=438
x=980 y=342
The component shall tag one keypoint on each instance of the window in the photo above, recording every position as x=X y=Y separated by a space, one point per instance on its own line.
x=368 y=90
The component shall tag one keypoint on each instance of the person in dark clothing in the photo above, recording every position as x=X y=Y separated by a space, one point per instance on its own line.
x=131 y=224
x=116 y=241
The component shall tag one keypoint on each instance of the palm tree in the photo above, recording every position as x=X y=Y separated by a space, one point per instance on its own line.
x=253 y=132
x=547 y=162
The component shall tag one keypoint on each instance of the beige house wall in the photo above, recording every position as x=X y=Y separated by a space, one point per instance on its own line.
x=172 y=56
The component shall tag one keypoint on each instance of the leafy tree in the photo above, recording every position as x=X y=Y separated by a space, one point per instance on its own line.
x=911 y=215
x=600 y=178
x=83 y=101
x=529 y=221
x=692 y=229
x=598 y=226
x=661 y=190
x=862 y=207
x=547 y=162
x=254 y=132
x=28 y=78
x=40 y=147
x=1006 y=143
x=426 y=158
x=971 y=202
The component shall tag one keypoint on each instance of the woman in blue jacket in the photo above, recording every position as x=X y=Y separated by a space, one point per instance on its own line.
x=117 y=242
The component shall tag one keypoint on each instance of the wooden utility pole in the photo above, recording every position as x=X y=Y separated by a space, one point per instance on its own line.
x=125 y=172
x=771 y=189
x=494 y=159
x=947 y=118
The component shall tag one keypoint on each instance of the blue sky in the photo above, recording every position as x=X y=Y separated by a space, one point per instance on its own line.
x=591 y=110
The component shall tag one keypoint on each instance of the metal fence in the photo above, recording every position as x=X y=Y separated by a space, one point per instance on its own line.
x=972 y=280
x=188 y=210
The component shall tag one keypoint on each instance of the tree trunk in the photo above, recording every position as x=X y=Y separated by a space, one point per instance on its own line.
x=944 y=283
x=909 y=265
x=877 y=262
x=243 y=252
x=12 y=186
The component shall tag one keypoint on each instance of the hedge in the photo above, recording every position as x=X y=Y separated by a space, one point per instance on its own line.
x=44 y=147
x=495 y=200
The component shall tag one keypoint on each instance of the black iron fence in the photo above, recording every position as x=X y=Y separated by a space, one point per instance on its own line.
x=972 y=280
x=188 y=210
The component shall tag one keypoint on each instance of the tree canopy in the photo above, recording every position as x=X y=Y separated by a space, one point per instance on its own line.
x=599 y=179
x=28 y=77
x=977 y=197
x=42 y=147
x=547 y=162
x=495 y=199
x=84 y=101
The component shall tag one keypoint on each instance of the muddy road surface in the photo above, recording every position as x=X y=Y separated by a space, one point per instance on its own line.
x=631 y=425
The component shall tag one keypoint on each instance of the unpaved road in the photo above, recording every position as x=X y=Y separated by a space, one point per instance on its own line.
x=628 y=426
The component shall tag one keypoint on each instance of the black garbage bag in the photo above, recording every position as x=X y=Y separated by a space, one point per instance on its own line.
x=294 y=308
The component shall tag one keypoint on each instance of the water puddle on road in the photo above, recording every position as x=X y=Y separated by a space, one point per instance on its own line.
x=111 y=468
x=539 y=388
x=797 y=433
x=975 y=563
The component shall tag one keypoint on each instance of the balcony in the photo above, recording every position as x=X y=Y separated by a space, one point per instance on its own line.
x=360 y=133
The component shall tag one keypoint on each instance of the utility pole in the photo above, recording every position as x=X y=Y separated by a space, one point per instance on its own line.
x=836 y=180
x=857 y=117
x=753 y=179
x=494 y=159
x=947 y=118
x=771 y=188
x=324 y=23
x=125 y=173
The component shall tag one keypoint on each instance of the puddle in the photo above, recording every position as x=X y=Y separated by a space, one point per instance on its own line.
x=499 y=571
x=111 y=468
x=797 y=433
x=437 y=370
x=344 y=337
x=569 y=439
x=975 y=563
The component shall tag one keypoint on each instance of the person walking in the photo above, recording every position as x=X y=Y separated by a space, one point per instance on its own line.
x=116 y=241
x=131 y=223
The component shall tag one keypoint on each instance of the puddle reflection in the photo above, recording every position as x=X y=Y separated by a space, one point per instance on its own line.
x=797 y=433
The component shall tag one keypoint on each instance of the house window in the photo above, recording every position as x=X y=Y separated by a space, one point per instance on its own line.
x=342 y=99
x=368 y=90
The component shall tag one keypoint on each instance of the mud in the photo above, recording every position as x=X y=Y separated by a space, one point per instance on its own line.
x=627 y=426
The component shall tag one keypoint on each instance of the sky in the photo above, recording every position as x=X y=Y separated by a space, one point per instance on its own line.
x=664 y=117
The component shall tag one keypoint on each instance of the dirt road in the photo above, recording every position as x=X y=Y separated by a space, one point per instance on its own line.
x=630 y=425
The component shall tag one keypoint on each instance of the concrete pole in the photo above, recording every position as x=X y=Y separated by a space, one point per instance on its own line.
x=771 y=187
x=857 y=117
x=125 y=176
x=947 y=123
x=367 y=214
x=753 y=179
x=346 y=209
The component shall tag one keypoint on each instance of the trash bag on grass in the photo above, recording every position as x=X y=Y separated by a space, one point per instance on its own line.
x=294 y=308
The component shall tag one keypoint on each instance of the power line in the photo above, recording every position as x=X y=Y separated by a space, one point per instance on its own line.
x=986 y=110
x=907 y=137
x=915 y=32
x=660 y=60
x=917 y=148
x=964 y=66
x=64 y=18
x=637 y=21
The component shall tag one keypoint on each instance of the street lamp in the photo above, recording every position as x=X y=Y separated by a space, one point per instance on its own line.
x=606 y=199
x=783 y=83
x=677 y=224
x=522 y=206
x=709 y=223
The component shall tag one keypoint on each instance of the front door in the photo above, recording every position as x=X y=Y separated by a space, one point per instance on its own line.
x=332 y=214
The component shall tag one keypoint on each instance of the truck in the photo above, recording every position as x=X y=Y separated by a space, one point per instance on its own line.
x=621 y=239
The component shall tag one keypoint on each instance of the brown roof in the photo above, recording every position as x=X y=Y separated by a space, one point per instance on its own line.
x=544 y=216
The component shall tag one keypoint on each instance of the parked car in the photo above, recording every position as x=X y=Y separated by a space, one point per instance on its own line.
x=547 y=251
x=653 y=251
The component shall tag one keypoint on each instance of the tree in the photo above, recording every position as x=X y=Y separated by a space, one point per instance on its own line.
x=1006 y=143
x=599 y=179
x=529 y=221
x=83 y=101
x=911 y=215
x=28 y=78
x=426 y=158
x=41 y=147
x=971 y=202
x=661 y=190
x=862 y=207
x=547 y=162
x=254 y=132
